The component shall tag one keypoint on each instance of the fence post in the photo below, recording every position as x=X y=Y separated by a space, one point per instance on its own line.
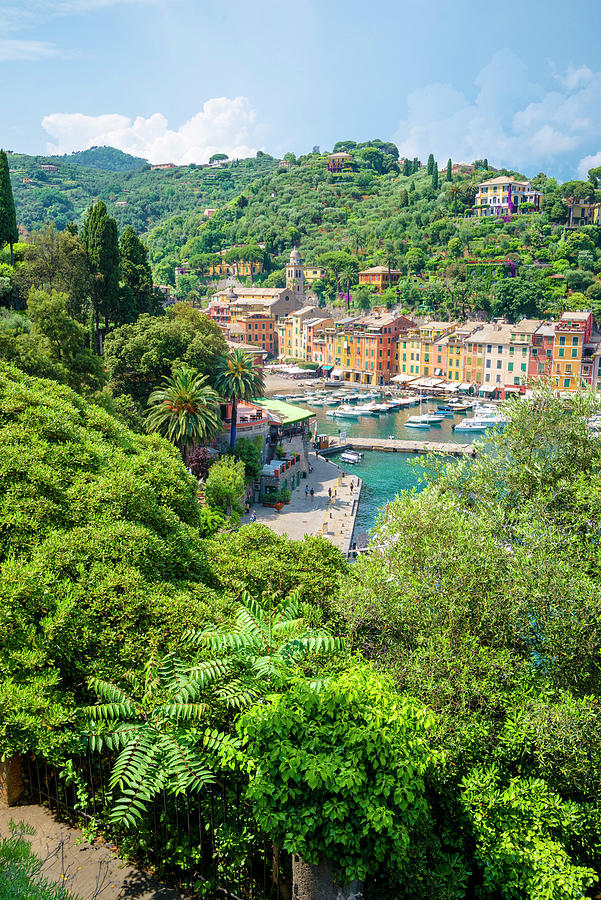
x=12 y=785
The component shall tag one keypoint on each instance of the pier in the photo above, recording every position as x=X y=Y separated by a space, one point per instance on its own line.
x=395 y=445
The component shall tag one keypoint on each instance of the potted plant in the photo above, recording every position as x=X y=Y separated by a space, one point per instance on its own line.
x=285 y=495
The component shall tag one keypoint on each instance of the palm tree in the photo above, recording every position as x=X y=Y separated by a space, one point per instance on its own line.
x=455 y=192
x=237 y=379
x=185 y=409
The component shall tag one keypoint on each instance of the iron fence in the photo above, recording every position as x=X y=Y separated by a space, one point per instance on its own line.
x=206 y=839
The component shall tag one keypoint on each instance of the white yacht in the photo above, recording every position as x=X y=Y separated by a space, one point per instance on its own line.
x=351 y=457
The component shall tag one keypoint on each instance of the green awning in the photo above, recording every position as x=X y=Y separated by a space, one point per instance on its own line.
x=287 y=413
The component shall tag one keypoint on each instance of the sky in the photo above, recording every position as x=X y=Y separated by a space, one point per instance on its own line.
x=178 y=80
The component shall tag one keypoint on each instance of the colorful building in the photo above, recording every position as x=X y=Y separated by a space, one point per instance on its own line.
x=504 y=195
x=583 y=212
x=237 y=268
x=572 y=332
x=291 y=334
x=338 y=162
x=540 y=364
x=379 y=277
x=313 y=273
x=433 y=350
x=369 y=348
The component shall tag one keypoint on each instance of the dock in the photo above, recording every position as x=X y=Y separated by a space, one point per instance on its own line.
x=395 y=445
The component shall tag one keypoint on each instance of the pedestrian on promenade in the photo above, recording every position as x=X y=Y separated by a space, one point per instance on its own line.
x=311 y=492
x=330 y=493
x=253 y=517
x=307 y=491
x=352 y=486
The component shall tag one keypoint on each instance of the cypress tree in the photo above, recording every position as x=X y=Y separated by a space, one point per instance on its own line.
x=135 y=271
x=435 y=177
x=449 y=170
x=8 y=217
x=431 y=164
x=102 y=249
x=486 y=164
x=415 y=164
x=412 y=187
x=403 y=198
x=406 y=167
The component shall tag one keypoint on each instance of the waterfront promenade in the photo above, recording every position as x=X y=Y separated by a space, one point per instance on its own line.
x=333 y=518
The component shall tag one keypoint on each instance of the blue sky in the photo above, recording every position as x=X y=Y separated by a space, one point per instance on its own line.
x=176 y=80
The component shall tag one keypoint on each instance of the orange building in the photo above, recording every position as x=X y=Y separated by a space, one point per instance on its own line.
x=369 y=348
x=572 y=332
x=379 y=277
x=256 y=329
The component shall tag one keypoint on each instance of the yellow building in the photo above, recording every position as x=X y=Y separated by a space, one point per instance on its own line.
x=408 y=353
x=504 y=195
x=572 y=332
x=292 y=335
x=455 y=360
x=312 y=273
x=239 y=268
x=433 y=349
x=583 y=212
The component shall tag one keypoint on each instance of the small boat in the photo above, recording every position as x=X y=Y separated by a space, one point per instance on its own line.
x=367 y=409
x=351 y=457
x=479 y=423
x=416 y=422
x=344 y=412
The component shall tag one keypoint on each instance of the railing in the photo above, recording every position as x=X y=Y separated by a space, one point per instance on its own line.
x=204 y=838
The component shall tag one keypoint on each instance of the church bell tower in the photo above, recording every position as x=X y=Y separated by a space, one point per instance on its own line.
x=295 y=278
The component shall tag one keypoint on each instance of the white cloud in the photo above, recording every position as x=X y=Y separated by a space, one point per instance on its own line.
x=222 y=126
x=589 y=162
x=11 y=50
x=511 y=120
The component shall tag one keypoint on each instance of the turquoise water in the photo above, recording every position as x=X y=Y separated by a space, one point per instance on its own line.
x=385 y=474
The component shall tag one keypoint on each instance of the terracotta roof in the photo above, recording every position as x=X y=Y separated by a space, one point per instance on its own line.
x=379 y=270
x=505 y=179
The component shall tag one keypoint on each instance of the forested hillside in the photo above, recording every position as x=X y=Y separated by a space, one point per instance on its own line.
x=377 y=211
x=134 y=193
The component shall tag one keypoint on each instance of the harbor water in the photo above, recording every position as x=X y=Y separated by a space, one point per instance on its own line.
x=385 y=474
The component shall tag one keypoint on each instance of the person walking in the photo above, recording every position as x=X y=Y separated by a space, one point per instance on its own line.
x=330 y=494
x=307 y=491
x=253 y=517
x=312 y=493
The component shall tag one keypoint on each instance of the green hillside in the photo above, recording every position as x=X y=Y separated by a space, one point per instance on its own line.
x=378 y=211
x=108 y=158
x=141 y=197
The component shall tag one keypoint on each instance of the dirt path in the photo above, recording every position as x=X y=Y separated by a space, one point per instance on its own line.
x=88 y=871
